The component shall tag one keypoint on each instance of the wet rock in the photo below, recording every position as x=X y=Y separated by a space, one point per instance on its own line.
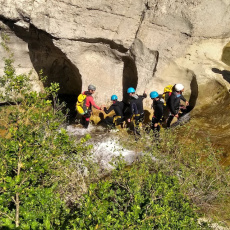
x=182 y=120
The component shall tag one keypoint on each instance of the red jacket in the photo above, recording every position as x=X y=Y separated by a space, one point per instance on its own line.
x=89 y=101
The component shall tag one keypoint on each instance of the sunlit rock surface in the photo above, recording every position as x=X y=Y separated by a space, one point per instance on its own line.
x=146 y=44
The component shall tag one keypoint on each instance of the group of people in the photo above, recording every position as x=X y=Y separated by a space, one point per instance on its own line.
x=133 y=110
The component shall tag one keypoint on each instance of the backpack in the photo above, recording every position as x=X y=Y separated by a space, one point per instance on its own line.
x=80 y=105
x=167 y=93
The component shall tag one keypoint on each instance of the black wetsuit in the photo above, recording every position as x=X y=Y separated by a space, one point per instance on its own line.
x=137 y=111
x=158 y=107
x=173 y=104
x=118 y=118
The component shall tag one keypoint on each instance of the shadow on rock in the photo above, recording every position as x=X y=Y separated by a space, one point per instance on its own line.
x=224 y=73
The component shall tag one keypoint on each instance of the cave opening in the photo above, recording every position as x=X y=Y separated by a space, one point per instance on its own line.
x=45 y=56
x=130 y=76
x=57 y=67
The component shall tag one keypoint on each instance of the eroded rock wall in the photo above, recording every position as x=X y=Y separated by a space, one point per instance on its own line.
x=146 y=44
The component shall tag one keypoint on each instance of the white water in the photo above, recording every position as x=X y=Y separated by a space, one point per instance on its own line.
x=79 y=131
x=106 y=147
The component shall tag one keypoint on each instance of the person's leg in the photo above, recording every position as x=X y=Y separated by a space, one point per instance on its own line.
x=153 y=122
x=156 y=131
x=109 y=121
x=86 y=123
x=119 y=121
x=83 y=121
x=86 y=119
x=137 y=125
x=170 y=118
x=155 y=127
x=158 y=128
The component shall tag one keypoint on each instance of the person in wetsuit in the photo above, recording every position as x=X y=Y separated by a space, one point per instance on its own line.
x=118 y=108
x=136 y=108
x=173 y=103
x=89 y=103
x=158 y=107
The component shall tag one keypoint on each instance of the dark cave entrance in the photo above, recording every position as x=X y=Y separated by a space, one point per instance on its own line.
x=45 y=56
x=130 y=77
x=57 y=67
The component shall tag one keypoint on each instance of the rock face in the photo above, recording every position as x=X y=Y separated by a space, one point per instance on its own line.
x=146 y=44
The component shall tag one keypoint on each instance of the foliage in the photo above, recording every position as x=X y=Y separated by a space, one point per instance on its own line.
x=195 y=162
x=32 y=151
x=136 y=198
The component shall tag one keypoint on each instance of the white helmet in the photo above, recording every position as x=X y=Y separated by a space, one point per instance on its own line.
x=179 y=87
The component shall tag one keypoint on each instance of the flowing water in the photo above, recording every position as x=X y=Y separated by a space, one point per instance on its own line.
x=106 y=145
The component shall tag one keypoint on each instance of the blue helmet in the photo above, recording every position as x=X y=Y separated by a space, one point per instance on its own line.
x=154 y=94
x=114 y=97
x=130 y=90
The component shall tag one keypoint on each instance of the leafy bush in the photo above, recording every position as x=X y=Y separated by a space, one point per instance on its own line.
x=33 y=151
x=136 y=198
x=195 y=162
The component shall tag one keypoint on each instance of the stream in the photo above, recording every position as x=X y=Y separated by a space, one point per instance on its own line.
x=213 y=122
x=106 y=145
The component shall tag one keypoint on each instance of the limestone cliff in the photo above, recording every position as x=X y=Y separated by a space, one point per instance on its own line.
x=146 y=44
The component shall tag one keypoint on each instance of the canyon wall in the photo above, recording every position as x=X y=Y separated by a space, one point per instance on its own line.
x=145 y=44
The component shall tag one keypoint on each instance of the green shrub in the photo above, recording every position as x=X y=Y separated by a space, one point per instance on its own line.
x=195 y=162
x=136 y=198
x=33 y=150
